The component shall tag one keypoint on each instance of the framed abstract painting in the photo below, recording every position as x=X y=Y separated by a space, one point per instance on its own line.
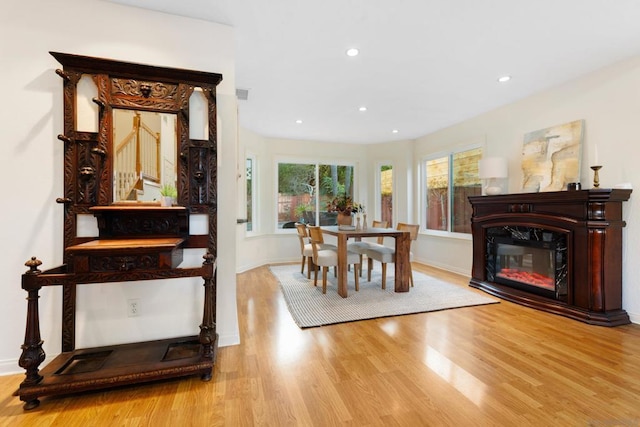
x=551 y=157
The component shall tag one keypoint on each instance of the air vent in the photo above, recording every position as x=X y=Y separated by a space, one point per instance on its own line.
x=242 y=94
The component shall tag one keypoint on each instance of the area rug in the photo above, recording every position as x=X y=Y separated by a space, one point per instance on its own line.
x=309 y=307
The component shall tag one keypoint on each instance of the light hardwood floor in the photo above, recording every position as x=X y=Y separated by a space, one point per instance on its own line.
x=500 y=364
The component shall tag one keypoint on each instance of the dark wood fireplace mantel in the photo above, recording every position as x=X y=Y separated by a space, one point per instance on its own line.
x=592 y=222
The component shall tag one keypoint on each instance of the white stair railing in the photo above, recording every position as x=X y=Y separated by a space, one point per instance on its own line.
x=137 y=158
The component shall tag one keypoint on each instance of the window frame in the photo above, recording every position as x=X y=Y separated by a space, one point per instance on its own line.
x=255 y=223
x=378 y=191
x=307 y=161
x=449 y=154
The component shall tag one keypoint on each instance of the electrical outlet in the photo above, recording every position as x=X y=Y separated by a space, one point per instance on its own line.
x=133 y=307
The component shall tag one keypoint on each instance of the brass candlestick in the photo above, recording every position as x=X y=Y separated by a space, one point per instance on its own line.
x=596 y=178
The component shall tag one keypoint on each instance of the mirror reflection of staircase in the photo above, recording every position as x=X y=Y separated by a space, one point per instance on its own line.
x=137 y=161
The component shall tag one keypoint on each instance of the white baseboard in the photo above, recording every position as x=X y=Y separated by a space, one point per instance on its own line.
x=247 y=267
x=445 y=267
x=228 y=340
x=11 y=367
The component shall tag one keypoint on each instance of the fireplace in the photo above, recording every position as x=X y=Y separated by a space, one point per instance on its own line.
x=559 y=252
x=528 y=258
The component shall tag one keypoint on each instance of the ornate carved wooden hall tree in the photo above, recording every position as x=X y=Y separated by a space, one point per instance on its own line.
x=137 y=240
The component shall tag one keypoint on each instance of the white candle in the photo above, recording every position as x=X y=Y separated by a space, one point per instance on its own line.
x=595 y=155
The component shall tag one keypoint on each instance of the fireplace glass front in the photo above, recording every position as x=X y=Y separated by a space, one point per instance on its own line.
x=530 y=259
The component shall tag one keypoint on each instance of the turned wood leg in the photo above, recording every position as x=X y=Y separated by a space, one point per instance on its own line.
x=30 y=404
x=32 y=353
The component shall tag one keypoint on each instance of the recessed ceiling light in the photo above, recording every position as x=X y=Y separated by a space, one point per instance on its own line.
x=353 y=52
x=394 y=131
x=298 y=121
x=504 y=79
x=362 y=109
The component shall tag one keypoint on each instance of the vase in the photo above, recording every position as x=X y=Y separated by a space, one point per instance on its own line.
x=344 y=219
x=166 y=201
x=358 y=223
x=364 y=221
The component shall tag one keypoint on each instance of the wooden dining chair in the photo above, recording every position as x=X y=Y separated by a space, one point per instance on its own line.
x=326 y=257
x=305 y=248
x=361 y=247
x=385 y=254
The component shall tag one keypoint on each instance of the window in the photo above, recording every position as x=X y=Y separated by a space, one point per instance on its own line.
x=386 y=194
x=449 y=180
x=250 y=163
x=305 y=189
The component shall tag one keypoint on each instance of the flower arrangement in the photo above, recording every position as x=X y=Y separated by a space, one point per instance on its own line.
x=344 y=205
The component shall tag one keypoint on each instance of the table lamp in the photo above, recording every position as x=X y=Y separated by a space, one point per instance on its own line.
x=492 y=170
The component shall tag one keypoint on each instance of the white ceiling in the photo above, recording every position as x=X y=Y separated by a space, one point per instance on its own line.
x=423 y=64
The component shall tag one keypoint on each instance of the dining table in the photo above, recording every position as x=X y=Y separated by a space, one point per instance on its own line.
x=402 y=251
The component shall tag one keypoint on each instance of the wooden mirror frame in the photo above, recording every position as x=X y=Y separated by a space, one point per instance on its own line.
x=88 y=165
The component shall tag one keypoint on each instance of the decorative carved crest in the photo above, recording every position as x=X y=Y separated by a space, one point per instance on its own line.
x=154 y=90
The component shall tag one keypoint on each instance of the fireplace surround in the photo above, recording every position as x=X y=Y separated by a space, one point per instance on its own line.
x=560 y=252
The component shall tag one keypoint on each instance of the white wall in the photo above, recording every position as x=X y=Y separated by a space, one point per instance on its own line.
x=31 y=166
x=609 y=102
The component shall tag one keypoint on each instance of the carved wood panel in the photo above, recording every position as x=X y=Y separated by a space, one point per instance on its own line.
x=88 y=166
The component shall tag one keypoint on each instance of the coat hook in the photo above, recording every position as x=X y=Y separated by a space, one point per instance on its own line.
x=63 y=200
x=65 y=138
x=62 y=74
x=99 y=102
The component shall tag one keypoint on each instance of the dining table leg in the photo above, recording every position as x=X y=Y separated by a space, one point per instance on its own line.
x=402 y=264
x=342 y=265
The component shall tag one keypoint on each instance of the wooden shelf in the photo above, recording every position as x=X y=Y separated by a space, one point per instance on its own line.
x=106 y=255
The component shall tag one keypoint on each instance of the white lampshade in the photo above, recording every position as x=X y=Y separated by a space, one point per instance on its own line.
x=493 y=167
